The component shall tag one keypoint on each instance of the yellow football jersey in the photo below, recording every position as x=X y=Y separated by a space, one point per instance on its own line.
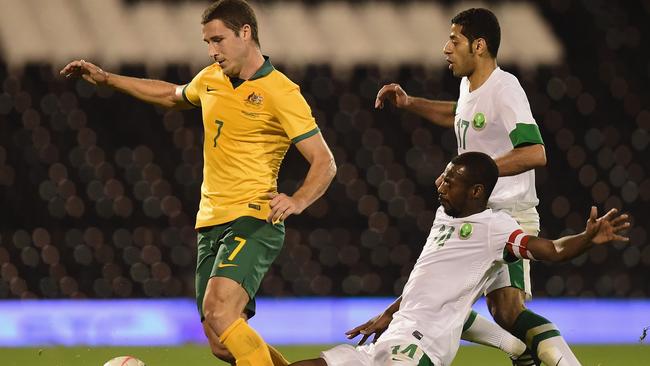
x=248 y=127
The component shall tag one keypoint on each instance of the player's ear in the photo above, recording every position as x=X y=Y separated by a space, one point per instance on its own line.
x=479 y=45
x=245 y=31
x=478 y=191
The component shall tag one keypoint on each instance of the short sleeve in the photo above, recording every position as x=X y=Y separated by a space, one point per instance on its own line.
x=514 y=109
x=504 y=231
x=294 y=114
x=191 y=91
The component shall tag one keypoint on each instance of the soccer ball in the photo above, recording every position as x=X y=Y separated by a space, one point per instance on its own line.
x=124 y=361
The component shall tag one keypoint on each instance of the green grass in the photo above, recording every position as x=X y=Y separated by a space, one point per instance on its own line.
x=200 y=356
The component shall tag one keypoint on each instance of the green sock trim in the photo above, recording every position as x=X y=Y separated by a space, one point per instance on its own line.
x=528 y=320
x=470 y=320
x=525 y=321
x=543 y=336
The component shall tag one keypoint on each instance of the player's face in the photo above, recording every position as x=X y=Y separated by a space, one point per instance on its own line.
x=457 y=53
x=453 y=192
x=225 y=47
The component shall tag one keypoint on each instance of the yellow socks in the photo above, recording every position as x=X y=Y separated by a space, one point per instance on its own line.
x=248 y=348
x=277 y=358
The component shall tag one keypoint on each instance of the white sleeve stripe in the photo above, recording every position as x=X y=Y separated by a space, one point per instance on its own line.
x=517 y=245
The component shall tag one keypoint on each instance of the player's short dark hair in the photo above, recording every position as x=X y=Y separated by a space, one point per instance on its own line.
x=479 y=169
x=234 y=14
x=480 y=23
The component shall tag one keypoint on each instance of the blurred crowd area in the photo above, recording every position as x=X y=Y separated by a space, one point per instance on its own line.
x=99 y=191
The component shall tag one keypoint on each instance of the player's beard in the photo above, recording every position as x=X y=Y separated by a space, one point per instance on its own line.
x=448 y=208
x=461 y=72
x=450 y=211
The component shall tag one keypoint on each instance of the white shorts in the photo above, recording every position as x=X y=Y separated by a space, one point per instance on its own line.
x=383 y=353
x=517 y=274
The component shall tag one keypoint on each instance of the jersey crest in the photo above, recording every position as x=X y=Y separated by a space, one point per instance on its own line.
x=254 y=100
x=465 y=231
x=479 y=122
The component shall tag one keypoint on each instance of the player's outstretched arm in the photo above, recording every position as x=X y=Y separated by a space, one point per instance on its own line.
x=157 y=92
x=599 y=230
x=521 y=159
x=322 y=170
x=439 y=112
x=376 y=325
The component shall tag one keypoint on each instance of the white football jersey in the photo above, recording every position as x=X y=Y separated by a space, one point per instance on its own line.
x=494 y=119
x=452 y=272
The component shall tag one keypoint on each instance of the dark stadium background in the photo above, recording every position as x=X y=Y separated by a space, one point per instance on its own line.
x=98 y=192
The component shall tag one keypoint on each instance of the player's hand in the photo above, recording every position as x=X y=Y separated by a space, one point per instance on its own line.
x=393 y=93
x=90 y=72
x=282 y=206
x=376 y=326
x=606 y=228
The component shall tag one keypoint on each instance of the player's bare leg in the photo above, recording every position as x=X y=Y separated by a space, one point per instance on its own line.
x=314 y=362
x=223 y=304
x=218 y=349
x=507 y=307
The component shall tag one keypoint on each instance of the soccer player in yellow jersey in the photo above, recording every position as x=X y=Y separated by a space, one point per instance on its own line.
x=251 y=115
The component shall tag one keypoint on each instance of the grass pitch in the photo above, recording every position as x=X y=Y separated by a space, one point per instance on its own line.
x=193 y=355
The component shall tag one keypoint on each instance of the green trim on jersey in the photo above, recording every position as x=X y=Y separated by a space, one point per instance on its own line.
x=186 y=98
x=265 y=69
x=453 y=108
x=526 y=133
x=305 y=135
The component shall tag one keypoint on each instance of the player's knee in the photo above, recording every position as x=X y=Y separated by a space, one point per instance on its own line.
x=223 y=303
x=215 y=306
x=505 y=309
x=504 y=317
x=218 y=318
x=215 y=313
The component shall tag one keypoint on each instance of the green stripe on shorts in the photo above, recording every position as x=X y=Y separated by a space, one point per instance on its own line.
x=516 y=273
x=470 y=320
x=425 y=361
